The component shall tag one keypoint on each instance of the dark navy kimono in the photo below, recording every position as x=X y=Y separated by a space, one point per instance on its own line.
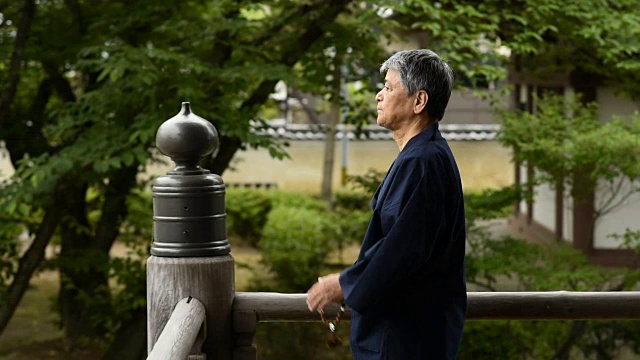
x=407 y=288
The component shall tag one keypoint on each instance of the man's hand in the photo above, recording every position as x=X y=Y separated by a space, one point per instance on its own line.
x=326 y=291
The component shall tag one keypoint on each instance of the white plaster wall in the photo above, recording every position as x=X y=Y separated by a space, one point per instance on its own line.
x=567 y=231
x=627 y=216
x=482 y=164
x=523 y=180
x=610 y=104
x=544 y=207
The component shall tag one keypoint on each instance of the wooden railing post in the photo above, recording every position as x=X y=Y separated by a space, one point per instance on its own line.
x=190 y=254
x=244 y=328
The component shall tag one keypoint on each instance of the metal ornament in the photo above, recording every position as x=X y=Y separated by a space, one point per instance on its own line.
x=189 y=212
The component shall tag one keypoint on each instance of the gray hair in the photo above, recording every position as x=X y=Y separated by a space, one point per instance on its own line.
x=423 y=69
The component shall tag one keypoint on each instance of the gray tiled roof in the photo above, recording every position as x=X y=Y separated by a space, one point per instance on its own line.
x=453 y=132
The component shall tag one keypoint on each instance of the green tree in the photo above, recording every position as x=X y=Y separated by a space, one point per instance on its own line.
x=565 y=137
x=600 y=39
x=511 y=264
x=85 y=85
x=351 y=53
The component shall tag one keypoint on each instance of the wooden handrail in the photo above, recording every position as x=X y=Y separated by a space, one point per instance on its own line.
x=552 y=305
x=179 y=334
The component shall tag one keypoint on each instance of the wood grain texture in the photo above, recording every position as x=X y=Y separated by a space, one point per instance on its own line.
x=554 y=305
x=270 y=307
x=179 y=334
x=279 y=307
x=208 y=279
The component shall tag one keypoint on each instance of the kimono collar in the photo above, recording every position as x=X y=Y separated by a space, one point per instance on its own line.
x=428 y=134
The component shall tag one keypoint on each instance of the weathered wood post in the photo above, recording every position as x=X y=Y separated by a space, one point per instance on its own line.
x=190 y=253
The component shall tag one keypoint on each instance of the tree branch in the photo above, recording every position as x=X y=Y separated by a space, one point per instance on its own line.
x=114 y=208
x=293 y=17
x=311 y=112
x=28 y=138
x=60 y=83
x=76 y=11
x=292 y=52
x=28 y=264
x=577 y=329
x=17 y=57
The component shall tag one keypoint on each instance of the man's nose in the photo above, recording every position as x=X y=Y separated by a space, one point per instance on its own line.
x=379 y=96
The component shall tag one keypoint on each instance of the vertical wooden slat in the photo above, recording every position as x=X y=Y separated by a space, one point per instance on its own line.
x=244 y=328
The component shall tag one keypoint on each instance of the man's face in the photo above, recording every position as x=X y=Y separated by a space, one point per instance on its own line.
x=394 y=107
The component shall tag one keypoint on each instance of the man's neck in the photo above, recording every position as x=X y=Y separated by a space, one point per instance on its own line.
x=404 y=134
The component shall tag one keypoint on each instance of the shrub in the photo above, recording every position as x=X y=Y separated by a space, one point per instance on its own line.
x=346 y=227
x=247 y=211
x=295 y=246
x=346 y=199
x=368 y=182
x=294 y=199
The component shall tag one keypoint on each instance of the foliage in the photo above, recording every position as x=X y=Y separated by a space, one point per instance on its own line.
x=488 y=339
x=535 y=267
x=293 y=199
x=247 y=211
x=350 y=54
x=594 y=37
x=367 y=182
x=128 y=272
x=294 y=246
x=10 y=232
x=85 y=85
x=346 y=227
x=349 y=226
x=349 y=199
x=630 y=239
x=565 y=137
x=505 y=263
x=490 y=203
x=303 y=341
x=350 y=218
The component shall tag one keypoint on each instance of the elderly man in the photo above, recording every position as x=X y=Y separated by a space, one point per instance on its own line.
x=407 y=288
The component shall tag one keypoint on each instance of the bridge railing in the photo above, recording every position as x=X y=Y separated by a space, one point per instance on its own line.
x=183 y=334
x=250 y=308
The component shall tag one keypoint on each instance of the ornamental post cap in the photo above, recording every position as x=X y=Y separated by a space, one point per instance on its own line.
x=186 y=138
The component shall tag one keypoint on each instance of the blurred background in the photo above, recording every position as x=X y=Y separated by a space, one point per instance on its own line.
x=543 y=122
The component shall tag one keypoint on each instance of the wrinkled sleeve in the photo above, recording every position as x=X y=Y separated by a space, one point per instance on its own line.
x=412 y=210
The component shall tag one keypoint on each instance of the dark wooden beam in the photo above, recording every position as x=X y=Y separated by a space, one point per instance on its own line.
x=552 y=305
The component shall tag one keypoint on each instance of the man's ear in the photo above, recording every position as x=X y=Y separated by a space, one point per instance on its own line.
x=420 y=103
